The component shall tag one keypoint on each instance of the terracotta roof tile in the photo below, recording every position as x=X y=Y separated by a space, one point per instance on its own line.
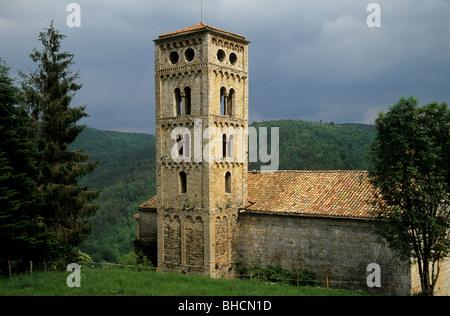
x=197 y=27
x=150 y=204
x=344 y=194
x=317 y=193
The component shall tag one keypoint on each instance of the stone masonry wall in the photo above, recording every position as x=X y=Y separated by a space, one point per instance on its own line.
x=338 y=249
x=442 y=287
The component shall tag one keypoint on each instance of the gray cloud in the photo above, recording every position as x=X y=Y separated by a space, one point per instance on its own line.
x=313 y=60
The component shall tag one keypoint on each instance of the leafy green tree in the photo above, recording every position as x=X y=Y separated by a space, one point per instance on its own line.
x=411 y=172
x=47 y=93
x=18 y=221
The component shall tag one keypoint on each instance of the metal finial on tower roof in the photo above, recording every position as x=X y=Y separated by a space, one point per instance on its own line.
x=201 y=12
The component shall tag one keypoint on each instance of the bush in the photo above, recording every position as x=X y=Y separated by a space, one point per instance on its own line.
x=276 y=273
x=134 y=261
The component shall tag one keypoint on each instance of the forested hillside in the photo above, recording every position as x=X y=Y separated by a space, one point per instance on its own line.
x=126 y=173
x=126 y=177
x=320 y=146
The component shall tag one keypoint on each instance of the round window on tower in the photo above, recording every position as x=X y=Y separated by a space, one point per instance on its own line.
x=233 y=58
x=174 y=57
x=220 y=55
x=189 y=54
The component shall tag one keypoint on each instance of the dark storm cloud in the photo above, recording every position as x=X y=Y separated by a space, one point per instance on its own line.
x=313 y=60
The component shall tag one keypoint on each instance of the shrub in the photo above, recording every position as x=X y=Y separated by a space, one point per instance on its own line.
x=134 y=261
x=276 y=273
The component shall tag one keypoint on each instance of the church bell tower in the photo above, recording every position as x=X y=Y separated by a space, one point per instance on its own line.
x=201 y=83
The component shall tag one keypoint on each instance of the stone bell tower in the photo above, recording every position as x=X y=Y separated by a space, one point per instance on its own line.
x=201 y=82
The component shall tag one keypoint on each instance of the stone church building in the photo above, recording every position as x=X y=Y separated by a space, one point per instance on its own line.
x=210 y=212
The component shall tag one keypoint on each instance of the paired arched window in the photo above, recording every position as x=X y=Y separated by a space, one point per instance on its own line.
x=183 y=102
x=227 y=146
x=227 y=100
x=183 y=143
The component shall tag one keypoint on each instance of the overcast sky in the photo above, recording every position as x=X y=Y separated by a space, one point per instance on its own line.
x=311 y=59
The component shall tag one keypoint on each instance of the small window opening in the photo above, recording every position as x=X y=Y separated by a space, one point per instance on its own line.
x=174 y=57
x=233 y=58
x=184 y=145
x=227 y=146
x=187 y=101
x=220 y=55
x=223 y=101
x=228 y=182
x=230 y=102
x=178 y=101
x=230 y=153
x=183 y=182
x=180 y=145
x=224 y=145
x=187 y=145
x=189 y=54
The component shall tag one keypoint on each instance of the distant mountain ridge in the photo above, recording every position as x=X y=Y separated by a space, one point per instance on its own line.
x=127 y=172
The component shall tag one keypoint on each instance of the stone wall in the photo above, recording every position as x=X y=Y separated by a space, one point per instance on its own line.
x=443 y=284
x=442 y=287
x=340 y=249
x=147 y=226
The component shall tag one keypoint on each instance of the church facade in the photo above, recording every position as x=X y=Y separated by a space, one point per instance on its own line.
x=211 y=213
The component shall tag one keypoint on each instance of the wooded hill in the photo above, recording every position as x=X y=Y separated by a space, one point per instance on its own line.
x=126 y=173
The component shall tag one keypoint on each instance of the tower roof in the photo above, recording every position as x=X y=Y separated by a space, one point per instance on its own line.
x=198 y=27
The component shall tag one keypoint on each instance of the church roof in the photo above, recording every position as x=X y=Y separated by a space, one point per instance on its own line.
x=345 y=194
x=314 y=193
x=197 y=27
x=150 y=204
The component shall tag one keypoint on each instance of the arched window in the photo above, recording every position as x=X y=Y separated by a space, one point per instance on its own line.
x=183 y=182
x=227 y=146
x=224 y=145
x=180 y=144
x=223 y=101
x=178 y=101
x=183 y=143
x=187 y=101
x=230 y=102
x=230 y=146
x=228 y=182
x=187 y=145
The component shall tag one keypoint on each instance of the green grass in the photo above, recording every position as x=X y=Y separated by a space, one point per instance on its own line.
x=104 y=282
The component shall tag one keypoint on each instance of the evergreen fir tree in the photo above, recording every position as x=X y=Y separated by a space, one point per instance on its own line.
x=18 y=219
x=47 y=93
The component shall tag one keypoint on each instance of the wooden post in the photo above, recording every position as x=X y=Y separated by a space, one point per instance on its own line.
x=251 y=275
x=327 y=283
x=298 y=277
x=9 y=267
x=31 y=266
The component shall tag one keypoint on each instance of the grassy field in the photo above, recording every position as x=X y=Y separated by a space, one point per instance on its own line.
x=104 y=282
